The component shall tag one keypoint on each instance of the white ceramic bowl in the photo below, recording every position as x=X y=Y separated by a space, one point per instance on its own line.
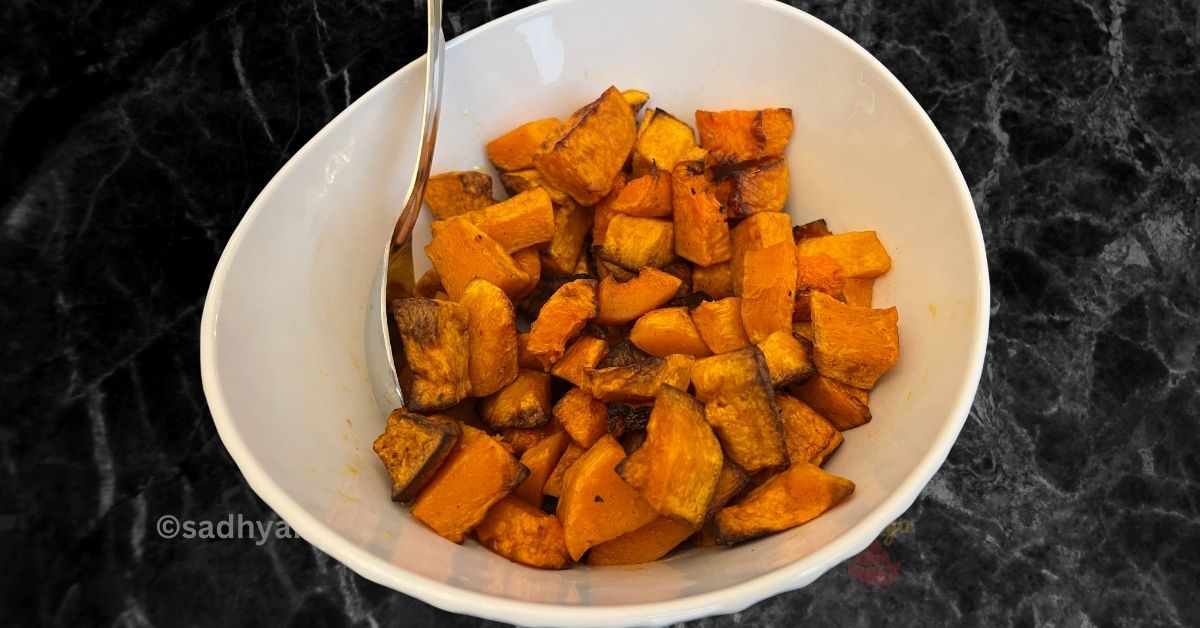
x=287 y=331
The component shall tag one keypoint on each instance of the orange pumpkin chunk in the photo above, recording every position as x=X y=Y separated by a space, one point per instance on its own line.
x=561 y=319
x=860 y=253
x=790 y=498
x=720 y=324
x=648 y=196
x=460 y=252
x=639 y=382
x=514 y=150
x=716 y=281
x=412 y=447
x=701 y=233
x=645 y=544
x=858 y=292
x=757 y=231
x=739 y=403
x=768 y=290
x=854 y=345
x=492 y=331
x=476 y=475
x=841 y=405
x=523 y=403
x=622 y=302
x=583 y=155
x=596 y=505
x=540 y=459
x=810 y=438
x=788 y=360
x=757 y=186
x=523 y=533
x=634 y=243
x=668 y=330
x=436 y=347
x=583 y=417
x=663 y=141
x=585 y=353
x=453 y=193
x=554 y=483
x=735 y=136
x=522 y=221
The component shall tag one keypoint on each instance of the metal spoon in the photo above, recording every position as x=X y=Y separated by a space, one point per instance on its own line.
x=400 y=281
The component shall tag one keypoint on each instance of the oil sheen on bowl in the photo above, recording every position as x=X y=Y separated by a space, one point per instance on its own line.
x=290 y=358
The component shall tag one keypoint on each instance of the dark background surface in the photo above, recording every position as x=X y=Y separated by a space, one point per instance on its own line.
x=133 y=135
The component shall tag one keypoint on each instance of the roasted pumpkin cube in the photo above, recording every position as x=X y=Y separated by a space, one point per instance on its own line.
x=492 y=333
x=584 y=353
x=412 y=447
x=521 y=439
x=701 y=233
x=814 y=229
x=858 y=292
x=720 y=324
x=790 y=498
x=677 y=467
x=860 y=253
x=478 y=473
x=643 y=545
x=460 y=252
x=514 y=150
x=622 y=302
x=854 y=345
x=841 y=405
x=821 y=273
x=524 y=534
x=756 y=186
x=435 y=338
x=668 y=330
x=663 y=141
x=634 y=243
x=810 y=438
x=639 y=382
x=453 y=193
x=585 y=153
x=584 y=418
x=716 y=281
x=648 y=196
x=530 y=262
x=561 y=319
x=734 y=136
x=541 y=458
x=522 y=221
x=636 y=99
x=788 y=360
x=571 y=226
x=768 y=290
x=757 y=231
x=554 y=483
x=730 y=483
x=739 y=403
x=596 y=505
x=523 y=403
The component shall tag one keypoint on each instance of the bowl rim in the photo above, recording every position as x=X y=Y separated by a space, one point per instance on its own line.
x=729 y=599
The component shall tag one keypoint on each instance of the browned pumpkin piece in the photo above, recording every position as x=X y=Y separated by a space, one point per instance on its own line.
x=520 y=181
x=522 y=221
x=584 y=353
x=634 y=243
x=840 y=404
x=523 y=533
x=435 y=339
x=734 y=136
x=720 y=324
x=643 y=545
x=677 y=467
x=636 y=99
x=768 y=290
x=639 y=382
x=478 y=473
x=790 y=498
x=523 y=403
x=561 y=319
x=757 y=231
x=492 y=329
x=428 y=285
x=731 y=482
x=740 y=405
x=814 y=229
x=715 y=281
x=810 y=438
x=648 y=196
x=583 y=155
x=757 y=186
x=854 y=345
x=788 y=360
x=540 y=459
x=525 y=359
x=581 y=416
x=663 y=141
x=521 y=439
x=701 y=233
x=623 y=353
x=860 y=253
x=530 y=262
x=819 y=273
x=571 y=226
x=453 y=193
x=858 y=292
x=412 y=447
x=514 y=150
x=461 y=252
x=622 y=302
x=554 y=483
x=668 y=330
x=596 y=505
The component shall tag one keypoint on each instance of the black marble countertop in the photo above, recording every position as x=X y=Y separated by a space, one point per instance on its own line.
x=134 y=135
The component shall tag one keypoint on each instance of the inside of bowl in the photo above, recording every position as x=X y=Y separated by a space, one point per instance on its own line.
x=291 y=373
